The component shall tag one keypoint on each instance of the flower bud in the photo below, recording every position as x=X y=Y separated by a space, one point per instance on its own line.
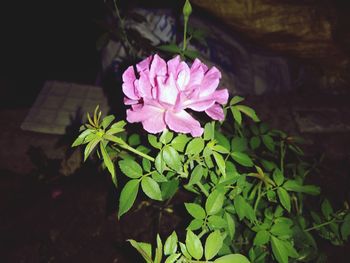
x=187 y=9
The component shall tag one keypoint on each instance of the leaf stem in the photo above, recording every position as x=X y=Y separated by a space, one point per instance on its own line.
x=320 y=225
x=258 y=198
x=131 y=149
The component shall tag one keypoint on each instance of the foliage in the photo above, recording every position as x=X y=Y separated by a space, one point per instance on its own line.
x=251 y=197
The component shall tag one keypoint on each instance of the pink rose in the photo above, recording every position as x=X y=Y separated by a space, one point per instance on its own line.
x=160 y=92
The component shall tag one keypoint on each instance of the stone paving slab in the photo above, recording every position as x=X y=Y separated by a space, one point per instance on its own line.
x=59 y=102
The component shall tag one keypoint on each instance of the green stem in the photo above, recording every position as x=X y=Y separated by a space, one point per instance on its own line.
x=258 y=198
x=202 y=233
x=283 y=152
x=131 y=149
x=201 y=187
x=185 y=34
x=320 y=225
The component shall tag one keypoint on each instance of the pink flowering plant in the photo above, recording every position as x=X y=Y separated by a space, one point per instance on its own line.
x=247 y=182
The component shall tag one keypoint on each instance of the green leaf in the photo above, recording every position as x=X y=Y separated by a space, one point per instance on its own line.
x=345 y=227
x=194 y=245
x=196 y=175
x=172 y=158
x=195 y=224
x=144 y=249
x=232 y=258
x=236 y=115
x=262 y=237
x=291 y=250
x=209 y=130
x=151 y=188
x=255 y=142
x=281 y=229
x=166 y=137
x=172 y=258
x=107 y=121
x=195 y=146
x=248 y=111
x=81 y=138
x=191 y=54
x=116 y=128
x=326 y=209
x=128 y=196
x=311 y=189
x=134 y=139
x=195 y=210
x=160 y=163
x=295 y=186
x=170 y=246
x=268 y=142
x=90 y=147
x=213 y=244
x=184 y=250
x=230 y=225
x=220 y=149
x=214 y=202
x=242 y=159
x=278 y=177
x=220 y=162
x=279 y=250
x=159 y=250
x=159 y=178
x=152 y=139
x=130 y=168
x=239 y=144
x=240 y=205
x=235 y=100
x=169 y=188
x=179 y=142
x=108 y=162
x=216 y=222
x=171 y=48
x=264 y=128
x=222 y=140
x=146 y=164
x=284 y=198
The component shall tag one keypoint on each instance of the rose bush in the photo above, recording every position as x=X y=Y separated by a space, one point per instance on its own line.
x=248 y=182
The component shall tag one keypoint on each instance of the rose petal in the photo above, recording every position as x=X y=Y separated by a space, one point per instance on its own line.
x=167 y=92
x=152 y=118
x=144 y=86
x=210 y=81
x=215 y=112
x=158 y=68
x=200 y=104
x=183 y=76
x=128 y=83
x=144 y=64
x=221 y=96
x=183 y=122
x=173 y=65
